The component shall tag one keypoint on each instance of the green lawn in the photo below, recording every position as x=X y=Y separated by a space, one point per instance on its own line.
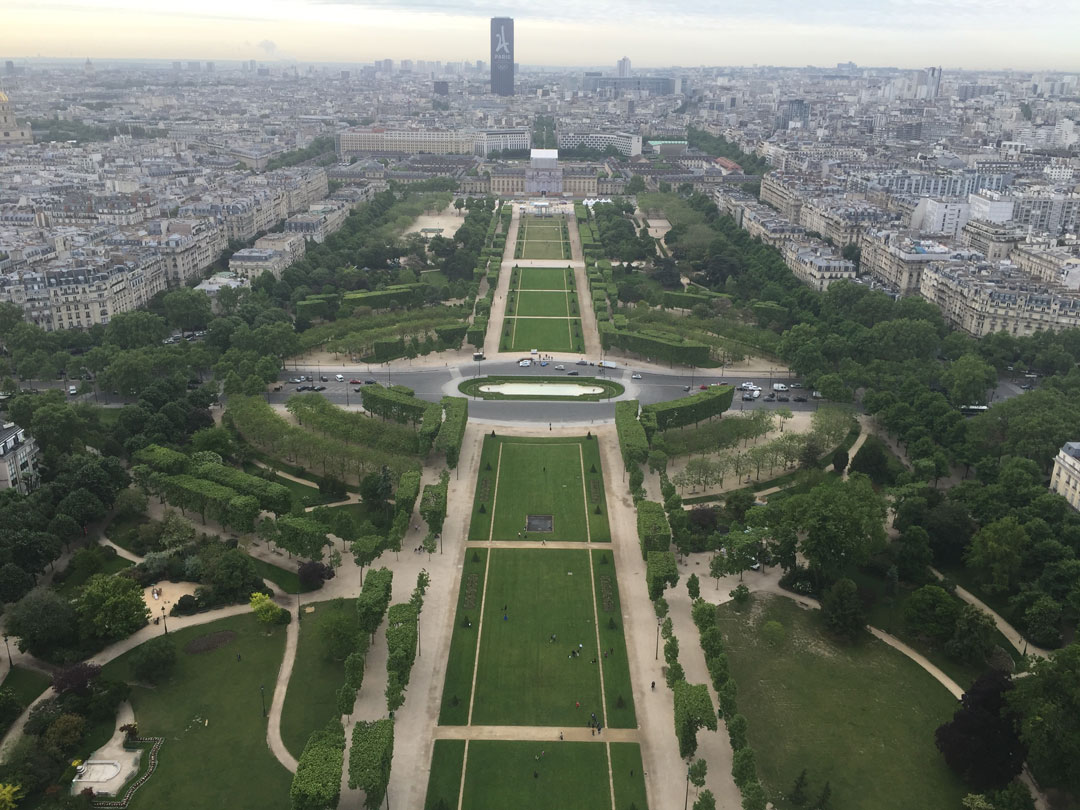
x=543 y=304
x=462 y=658
x=544 y=334
x=554 y=249
x=861 y=717
x=444 y=781
x=284 y=578
x=311 y=702
x=571 y=776
x=211 y=716
x=627 y=770
x=545 y=278
x=534 y=477
x=523 y=677
x=617 y=686
x=111 y=564
x=302 y=494
x=27 y=685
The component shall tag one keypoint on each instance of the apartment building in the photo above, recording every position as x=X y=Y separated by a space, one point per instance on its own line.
x=189 y=246
x=408 y=141
x=898 y=261
x=981 y=298
x=1046 y=262
x=815 y=265
x=18 y=459
x=627 y=143
x=1065 y=479
x=993 y=241
x=250 y=263
x=293 y=245
x=514 y=139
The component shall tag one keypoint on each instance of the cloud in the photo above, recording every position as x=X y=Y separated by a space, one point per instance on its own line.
x=269 y=47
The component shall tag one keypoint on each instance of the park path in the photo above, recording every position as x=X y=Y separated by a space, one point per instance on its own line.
x=540 y=733
x=497 y=316
x=273 y=725
x=1011 y=633
x=664 y=770
x=589 y=330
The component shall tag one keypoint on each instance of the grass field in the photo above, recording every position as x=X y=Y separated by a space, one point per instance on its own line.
x=523 y=677
x=543 y=304
x=544 y=278
x=210 y=713
x=536 y=249
x=538 y=476
x=617 y=688
x=543 y=334
x=543 y=239
x=310 y=702
x=112 y=564
x=444 y=781
x=284 y=578
x=462 y=658
x=571 y=776
x=861 y=717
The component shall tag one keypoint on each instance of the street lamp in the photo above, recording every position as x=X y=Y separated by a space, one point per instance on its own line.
x=8 y=648
x=163 y=620
x=262 y=697
x=686 y=800
x=418 y=653
x=659 y=622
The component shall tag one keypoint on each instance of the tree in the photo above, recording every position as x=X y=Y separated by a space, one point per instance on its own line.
x=931 y=613
x=636 y=185
x=110 y=608
x=843 y=523
x=1048 y=703
x=187 y=309
x=967 y=380
x=696 y=773
x=717 y=568
x=842 y=610
x=973 y=635
x=366 y=550
x=913 y=554
x=264 y=608
x=705 y=801
x=982 y=743
x=76 y=678
x=996 y=552
x=737 y=727
x=872 y=460
x=10 y=795
x=338 y=634
x=840 y=461
x=155 y=660
x=754 y=797
x=135 y=329
x=693 y=587
x=798 y=790
x=744 y=766
x=44 y=621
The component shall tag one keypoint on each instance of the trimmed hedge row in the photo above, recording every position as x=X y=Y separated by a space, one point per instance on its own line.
x=391 y=404
x=632 y=440
x=452 y=433
x=689 y=410
x=672 y=348
x=654 y=532
x=317 y=782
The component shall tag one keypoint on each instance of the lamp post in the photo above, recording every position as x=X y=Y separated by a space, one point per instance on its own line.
x=262 y=697
x=659 y=622
x=8 y=648
x=165 y=623
x=418 y=653
x=686 y=799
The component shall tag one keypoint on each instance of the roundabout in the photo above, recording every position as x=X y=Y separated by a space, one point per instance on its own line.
x=584 y=389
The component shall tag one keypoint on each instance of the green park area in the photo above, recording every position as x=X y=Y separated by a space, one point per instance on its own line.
x=542 y=311
x=558 y=478
x=543 y=238
x=543 y=304
x=543 y=334
x=860 y=717
x=543 y=278
x=210 y=712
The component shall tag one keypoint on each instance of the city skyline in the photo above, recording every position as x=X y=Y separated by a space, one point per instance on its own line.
x=773 y=32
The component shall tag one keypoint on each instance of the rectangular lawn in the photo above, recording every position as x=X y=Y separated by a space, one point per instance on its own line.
x=523 y=677
x=543 y=304
x=535 y=249
x=545 y=334
x=570 y=776
x=462 y=659
x=540 y=479
x=444 y=780
x=861 y=716
x=210 y=713
x=545 y=278
x=616 y=667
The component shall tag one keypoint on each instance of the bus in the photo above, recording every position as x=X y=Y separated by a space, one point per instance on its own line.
x=973 y=410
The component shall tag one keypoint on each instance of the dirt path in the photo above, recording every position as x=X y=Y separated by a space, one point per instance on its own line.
x=273 y=726
x=497 y=317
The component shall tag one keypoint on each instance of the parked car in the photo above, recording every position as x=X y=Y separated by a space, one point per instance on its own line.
x=72 y=390
x=1026 y=387
x=371 y=382
x=339 y=377
x=560 y=367
x=323 y=378
x=783 y=398
x=318 y=388
x=703 y=387
x=355 y=381
x=582 y=362
x=573 y=373
x=748 y=397
x=770 y=398
x=524 y=363
x=800 y=399
x=756 y=393
x=357 y=390
x=686 y=388
x=303 y=388
x=295 y=380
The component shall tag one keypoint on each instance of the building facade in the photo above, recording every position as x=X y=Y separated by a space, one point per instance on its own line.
x=1065 y=480
x=18 y=459
x=12 y=133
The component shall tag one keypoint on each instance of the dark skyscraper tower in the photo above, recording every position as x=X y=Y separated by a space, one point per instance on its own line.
x=502 y=56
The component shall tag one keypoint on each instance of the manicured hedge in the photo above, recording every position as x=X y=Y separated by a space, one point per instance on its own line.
x=317 y=783
x=400 y=294
x=632 y=441
x=392 y=404
x=654 y=532
x=661 y=572
x=271 y=497
x=452 y=432
x=689 y=410
x=451 y=336
x=667 y=347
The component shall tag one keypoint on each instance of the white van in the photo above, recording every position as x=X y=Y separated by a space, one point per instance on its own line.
x=339 y=377
x=779 y=387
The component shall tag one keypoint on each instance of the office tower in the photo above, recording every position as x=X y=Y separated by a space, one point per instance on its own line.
x=623 y=67
x=502 y=56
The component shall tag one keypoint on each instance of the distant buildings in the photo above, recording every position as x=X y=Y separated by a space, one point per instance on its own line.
x=12 y=133
x=18 y=459
x=627 y=143
x=622 y=68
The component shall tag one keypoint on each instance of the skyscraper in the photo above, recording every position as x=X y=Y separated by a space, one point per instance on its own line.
x=502 y=56
x=623 y=67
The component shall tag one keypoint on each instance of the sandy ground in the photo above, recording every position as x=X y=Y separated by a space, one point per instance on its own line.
x=448 y=219
x=167 y=594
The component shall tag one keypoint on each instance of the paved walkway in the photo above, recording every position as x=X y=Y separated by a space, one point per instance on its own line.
x=544 y=733
x=281 y=686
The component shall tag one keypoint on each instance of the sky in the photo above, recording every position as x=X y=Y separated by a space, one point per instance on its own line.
x=975 y=34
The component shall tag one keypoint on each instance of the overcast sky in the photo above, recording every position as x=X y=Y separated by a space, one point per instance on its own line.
x=1022 y=34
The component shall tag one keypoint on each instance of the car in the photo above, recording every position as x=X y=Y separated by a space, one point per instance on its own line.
x=582 y=362
x=756 y=393
x=800 y=399
x=318 y=388
x=524 y=363
x=635 y=376
x=703 y=387
x=302 y=378
x=339 y=377
x=543 y=362
x=573 y=373
x=1026 y=387
x=783 y=398
x=770 y=398
x=357 y=390
x=816 y=395
x=303 y=388
x=72 y=390
x=560 y=367
x=355 y=381
x=323 y=378
x=295 y=380
x=686 y=388
x=747 y=397
x=795 y=385
x=371 y=382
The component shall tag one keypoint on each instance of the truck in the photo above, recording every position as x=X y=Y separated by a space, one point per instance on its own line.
x=779 y=387
x=607 y=364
